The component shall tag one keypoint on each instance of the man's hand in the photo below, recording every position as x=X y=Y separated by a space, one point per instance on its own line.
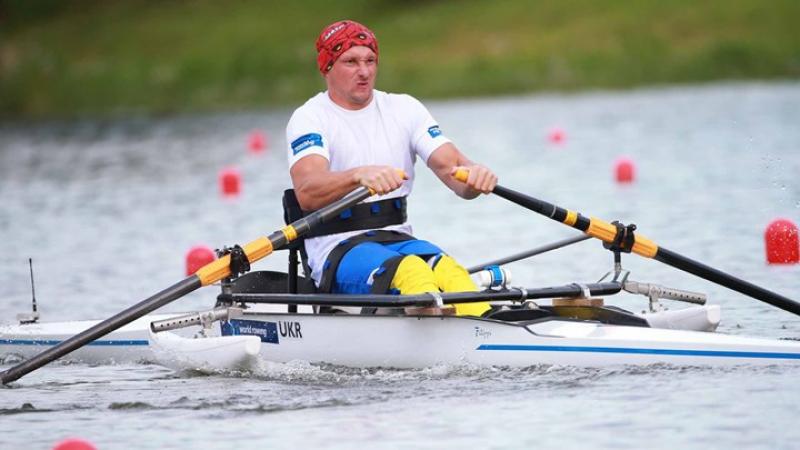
x=481 y=178
x=381 y=179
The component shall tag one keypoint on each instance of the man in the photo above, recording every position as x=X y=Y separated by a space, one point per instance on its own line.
x=354 y=135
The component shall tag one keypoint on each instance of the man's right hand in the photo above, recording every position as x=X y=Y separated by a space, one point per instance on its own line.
x=381 y=179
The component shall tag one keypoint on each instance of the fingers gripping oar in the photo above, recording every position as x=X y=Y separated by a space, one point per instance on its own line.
x=625 y=238
x=208 y=274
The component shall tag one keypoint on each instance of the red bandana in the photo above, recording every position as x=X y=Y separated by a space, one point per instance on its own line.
x=340 y=37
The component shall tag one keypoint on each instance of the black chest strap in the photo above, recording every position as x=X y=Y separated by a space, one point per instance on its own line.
x=335 y=256
x=364 y=216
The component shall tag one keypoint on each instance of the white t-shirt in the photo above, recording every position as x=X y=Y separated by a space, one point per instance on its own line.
x=392 y=130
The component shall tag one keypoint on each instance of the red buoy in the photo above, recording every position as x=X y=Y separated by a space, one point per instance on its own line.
x=230 y=181
x=556 y=136
x=625 y=170
x=257 y=142
x=74 y=444
x=782 y=242
x=197 y=257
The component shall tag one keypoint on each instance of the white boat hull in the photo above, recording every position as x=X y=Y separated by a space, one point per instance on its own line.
x=405 y=342
x=417 y=342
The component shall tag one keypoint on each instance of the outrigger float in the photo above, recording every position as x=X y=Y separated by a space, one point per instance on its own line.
x=279 y=317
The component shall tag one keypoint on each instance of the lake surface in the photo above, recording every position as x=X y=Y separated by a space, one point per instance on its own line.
x=108 y=209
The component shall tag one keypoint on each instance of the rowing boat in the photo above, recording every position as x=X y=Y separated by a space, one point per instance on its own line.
x=517 y=332
x=278 y=317
x=415 y=341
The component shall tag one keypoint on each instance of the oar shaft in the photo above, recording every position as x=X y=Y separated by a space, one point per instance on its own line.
x=737 y=284
x=263 y=246
x=593 y=226
x=645 y=247
x=208 y=274
x=101 y=329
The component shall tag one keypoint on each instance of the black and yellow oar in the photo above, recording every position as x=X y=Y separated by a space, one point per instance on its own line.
x=625 y=238
x=208 y=274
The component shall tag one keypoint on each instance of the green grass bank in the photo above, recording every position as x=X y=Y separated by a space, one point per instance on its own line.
x=93 y=58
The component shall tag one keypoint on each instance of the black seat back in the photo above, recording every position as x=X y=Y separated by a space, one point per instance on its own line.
x=291 y=213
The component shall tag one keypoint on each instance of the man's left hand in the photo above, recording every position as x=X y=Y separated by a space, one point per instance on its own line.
x=480 y=179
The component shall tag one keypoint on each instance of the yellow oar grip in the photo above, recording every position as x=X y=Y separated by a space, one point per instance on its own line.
x=645 y=247
x=606 y=232
x=259 y=248
x=215 y=270
x=601 y=229
x=221 y=268
x=461 y=175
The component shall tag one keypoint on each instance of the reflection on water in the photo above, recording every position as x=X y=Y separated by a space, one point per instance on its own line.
x=107 y=211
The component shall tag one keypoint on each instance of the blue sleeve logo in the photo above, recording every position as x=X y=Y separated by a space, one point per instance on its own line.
x=306 y=141
x=434 y=131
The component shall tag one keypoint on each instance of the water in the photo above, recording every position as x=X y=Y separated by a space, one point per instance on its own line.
x=108 y=209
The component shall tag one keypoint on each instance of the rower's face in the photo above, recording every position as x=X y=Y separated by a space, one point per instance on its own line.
x=352 y=77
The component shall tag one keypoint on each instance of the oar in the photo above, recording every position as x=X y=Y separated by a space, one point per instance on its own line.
x=610 y=234
x=528 y=253
x=208 y=274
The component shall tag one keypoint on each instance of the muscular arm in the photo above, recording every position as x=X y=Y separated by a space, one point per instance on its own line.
x=447 y=158
x=316 y=185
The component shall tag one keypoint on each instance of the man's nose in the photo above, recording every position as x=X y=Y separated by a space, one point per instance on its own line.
x=363 y=69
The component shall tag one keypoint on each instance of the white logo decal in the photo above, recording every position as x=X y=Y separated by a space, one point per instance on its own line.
x=482 y=333
x=332 y=32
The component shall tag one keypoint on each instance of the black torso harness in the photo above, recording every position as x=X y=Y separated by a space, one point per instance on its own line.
x=365 y=216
